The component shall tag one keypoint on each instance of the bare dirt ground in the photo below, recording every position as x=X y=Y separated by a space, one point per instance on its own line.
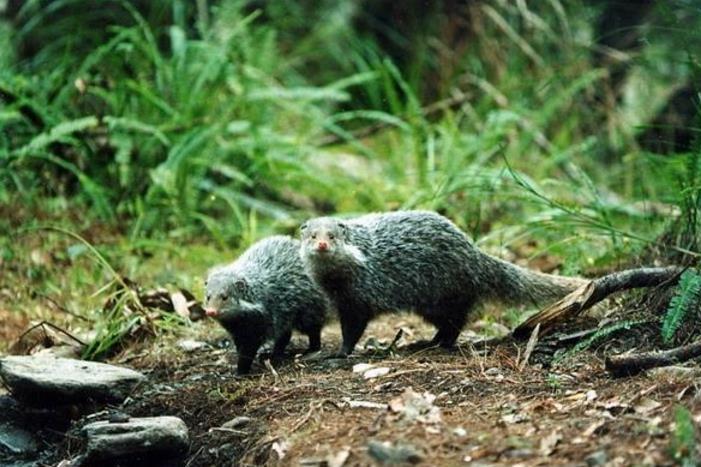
x=434 y=407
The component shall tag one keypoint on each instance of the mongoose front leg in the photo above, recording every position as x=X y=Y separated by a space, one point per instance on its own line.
x=314 y=340
x=244 y=364
x=352 y=327
x=247 y=348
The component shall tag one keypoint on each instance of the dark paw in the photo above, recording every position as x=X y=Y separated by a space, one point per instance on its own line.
x=451 y=346
x=336 y=355
x=420 y=345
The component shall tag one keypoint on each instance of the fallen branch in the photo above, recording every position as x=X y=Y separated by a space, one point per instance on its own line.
x=592 y=293
x=631 y=364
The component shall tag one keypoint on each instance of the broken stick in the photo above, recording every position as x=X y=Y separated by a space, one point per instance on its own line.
x=631 y=364
x=592 y=293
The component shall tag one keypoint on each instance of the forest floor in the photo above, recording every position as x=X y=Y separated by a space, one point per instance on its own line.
x=433 y=407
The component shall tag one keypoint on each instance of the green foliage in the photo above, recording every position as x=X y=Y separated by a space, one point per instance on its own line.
x=686 y=298
x=683 y=443
x=192 y=117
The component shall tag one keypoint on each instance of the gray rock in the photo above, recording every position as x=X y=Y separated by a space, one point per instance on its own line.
x=16 y=441
x=139 y=438
x=48 y=380
x=400 y=453
x=596 y=458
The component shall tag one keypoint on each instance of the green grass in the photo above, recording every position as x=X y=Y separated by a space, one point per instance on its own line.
x=683 y=444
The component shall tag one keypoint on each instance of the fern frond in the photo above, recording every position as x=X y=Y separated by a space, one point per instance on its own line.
x=598 y=335
x=685 y=297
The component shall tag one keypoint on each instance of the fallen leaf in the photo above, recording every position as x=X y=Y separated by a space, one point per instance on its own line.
x=646 y=406
x=338 y=459
x=615 y=406
x=547 y=444
x=514 y=418
x=376 y=372
x=591 y=429
x=180 y=304
x=413 y=406
x=281 y=447
x=190 y=345
x=362 y=367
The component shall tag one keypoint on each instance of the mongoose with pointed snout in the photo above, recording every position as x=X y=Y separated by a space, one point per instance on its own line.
x=264 y=295
x=415 y=261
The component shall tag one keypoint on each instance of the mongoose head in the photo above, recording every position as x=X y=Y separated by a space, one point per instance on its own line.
x=328 y=240
x=323 y=236
x=228 y=295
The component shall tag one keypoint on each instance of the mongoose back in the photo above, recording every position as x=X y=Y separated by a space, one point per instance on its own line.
x=264 y=295
x=416 y=261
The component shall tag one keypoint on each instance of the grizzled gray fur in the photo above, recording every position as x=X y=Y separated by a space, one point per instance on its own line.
x=264 y=295
x=413 y=260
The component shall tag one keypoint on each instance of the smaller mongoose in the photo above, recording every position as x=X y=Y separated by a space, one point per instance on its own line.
x=264 y=295
x=414 y=261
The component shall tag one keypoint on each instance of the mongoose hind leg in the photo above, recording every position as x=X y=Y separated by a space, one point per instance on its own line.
x=423 y=344
x=281 y=344
x=450 y=322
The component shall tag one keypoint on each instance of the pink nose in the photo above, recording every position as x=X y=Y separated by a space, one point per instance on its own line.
x=211 y=312
x=322 y=246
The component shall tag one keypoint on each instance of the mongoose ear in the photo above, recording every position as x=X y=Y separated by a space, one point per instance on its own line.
x=240 y=285
x=344 y=227
x=304 y=227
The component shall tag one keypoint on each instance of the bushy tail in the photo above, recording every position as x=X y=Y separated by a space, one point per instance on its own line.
x=517 y=285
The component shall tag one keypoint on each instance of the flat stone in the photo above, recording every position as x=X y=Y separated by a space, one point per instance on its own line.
x=16 y=441
x=139 y=438
x=387 y=453
x=50 y=380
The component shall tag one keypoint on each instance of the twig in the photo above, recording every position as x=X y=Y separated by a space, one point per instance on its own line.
x=54 y=327
x=306 y=417
x=532 y=341
x=398 y=336
x=61 y=307
x=194 y=456
x=592 y=293
x=631 y=364
x=227 y=430
x=272 y=370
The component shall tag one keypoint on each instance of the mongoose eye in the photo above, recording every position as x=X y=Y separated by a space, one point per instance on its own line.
x=224 y=297
x=313 y=236
x=331 y=236
x=208 y=297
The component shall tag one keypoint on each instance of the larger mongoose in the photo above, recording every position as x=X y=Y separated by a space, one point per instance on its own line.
x=413 y=260
x=264 y=295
